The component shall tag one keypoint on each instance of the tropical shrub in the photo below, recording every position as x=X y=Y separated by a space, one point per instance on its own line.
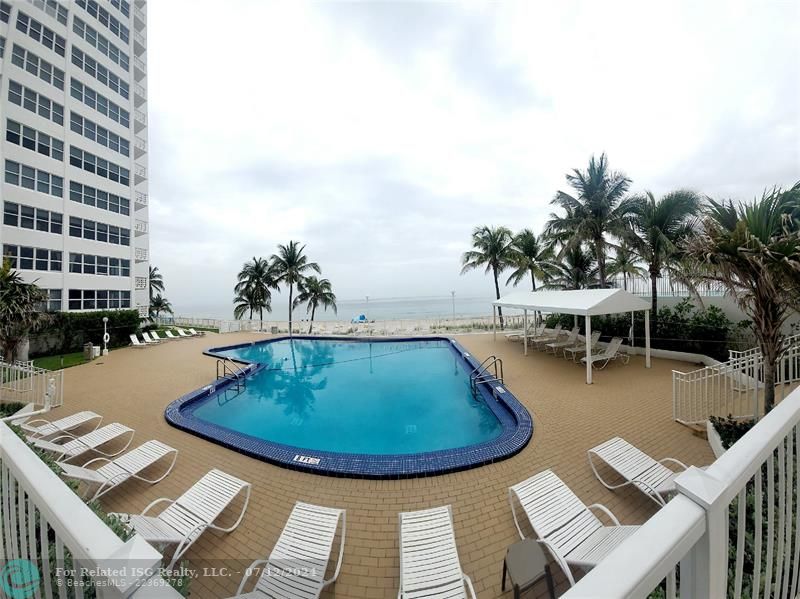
x=68 y=331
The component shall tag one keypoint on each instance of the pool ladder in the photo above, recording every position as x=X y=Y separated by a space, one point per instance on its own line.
x=229 y=370
x=488 y=371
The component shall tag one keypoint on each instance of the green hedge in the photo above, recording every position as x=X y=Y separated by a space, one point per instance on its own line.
x=69 y=331
x=684 y=328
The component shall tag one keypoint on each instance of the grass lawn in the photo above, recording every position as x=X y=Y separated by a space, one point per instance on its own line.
x=56 y=363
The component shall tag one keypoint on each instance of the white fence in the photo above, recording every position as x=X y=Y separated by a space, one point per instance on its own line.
x=733 y=388
x=665 y=287
x=25 y=383
x=732 y=529
x=52 y=544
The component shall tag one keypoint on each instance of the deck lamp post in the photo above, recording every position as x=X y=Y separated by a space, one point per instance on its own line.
x=453 y=293
x=105 y=335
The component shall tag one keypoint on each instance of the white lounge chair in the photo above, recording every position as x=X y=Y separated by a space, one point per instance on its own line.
x=135 y=341
x=182 y=333
x=580 y=348
x=148 y=339
x=116 y=471
x=42 y=429
x=651 y=477
x=564 y=524
x=196 y=333
x=157 y=337
x=93 y=441
x=611 y=352
x=296 y=566
x=548 y=337
x=533 y=333
x=570 y=340
x=429 y=565
x=171 y=335
x=188 y=516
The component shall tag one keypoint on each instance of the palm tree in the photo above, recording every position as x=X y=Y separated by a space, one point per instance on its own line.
x=596 y=210
x=492 y=250
x=530 y=255
x=156 y=282
x=20 y=310
x=577 y=269
x=290 y=266
x=753 y=250
x=626 y=263
x=160 y=304
x=316 y=293
x=244 y=302
x=255 y=281
x=659 y=228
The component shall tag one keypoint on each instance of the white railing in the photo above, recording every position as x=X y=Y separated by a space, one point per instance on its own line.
x=140 y=144
x=140 y=40
x=140 y=198
x=140 y=117
x=665 y=287
x=28 y=384
x=140 y=227
x=733 y=388
x=141 y=283
x=140 y=171
x=141 y=254
x=51 y=536
x=732 y=529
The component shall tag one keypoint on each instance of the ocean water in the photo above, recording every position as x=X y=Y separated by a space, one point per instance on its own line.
x=413 y=308
x=356 y=397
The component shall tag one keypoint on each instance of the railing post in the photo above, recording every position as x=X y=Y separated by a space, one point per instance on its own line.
x=704 y=570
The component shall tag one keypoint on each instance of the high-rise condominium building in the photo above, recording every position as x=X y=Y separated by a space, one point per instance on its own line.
x=73 y=112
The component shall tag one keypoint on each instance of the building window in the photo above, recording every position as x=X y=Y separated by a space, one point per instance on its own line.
x=30 y=178
x=32 y=139
x=25 y=59
x=99 y=166
x=99 y=72
x=2 y=46
x=88 y=264
x=101 y=135
x=122 y=6
x=100 y=103
x=53 y=303
x=89 y=229
x=106 y=19
x=28 y=217
x=34 y=102
x=101 y=43
x=84 y=194
x=98 y=299
x=53 y=8
x=5 y=12
x=44 y=35
x=30 y=258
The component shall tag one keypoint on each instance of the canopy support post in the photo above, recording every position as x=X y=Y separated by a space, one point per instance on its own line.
x=632 y=329
x=494 y=322
x=525 y=330
x=588 y=337
x=647 y=338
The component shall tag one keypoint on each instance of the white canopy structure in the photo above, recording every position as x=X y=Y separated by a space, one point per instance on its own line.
x=580 y=302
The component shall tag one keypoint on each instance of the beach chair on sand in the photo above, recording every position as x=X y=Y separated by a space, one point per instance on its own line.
x=93 y=441
x=565 y=525
x=196 y=333
x=41 y=428
x=550 y=337
x=580 y=347
x=183 y=521
x=157 y=337
x=135 y=341
x=114 y=472
x=610 y=353
x=570 y=340
x=183 y=333
x=651 y=477
x=171 y=335
x=296 y=567
x=429 y=564
x=148 y=339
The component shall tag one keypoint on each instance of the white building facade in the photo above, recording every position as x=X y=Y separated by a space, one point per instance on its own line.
x=73 y=113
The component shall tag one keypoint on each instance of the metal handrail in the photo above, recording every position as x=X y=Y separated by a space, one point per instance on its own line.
x=482 y=374
x=236 y=372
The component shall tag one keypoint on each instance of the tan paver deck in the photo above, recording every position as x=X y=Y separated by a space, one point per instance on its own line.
x=133 y=386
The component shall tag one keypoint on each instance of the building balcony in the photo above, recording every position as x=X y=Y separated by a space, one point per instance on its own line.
x=139 y=200
x=139 y=68
x=139 y=147
x=139 y=173
x=144 y=311
x=139 y=43
x=141 y=254
x=139 y=120
x=139 y=95
x=141 y=227
x=139 y=18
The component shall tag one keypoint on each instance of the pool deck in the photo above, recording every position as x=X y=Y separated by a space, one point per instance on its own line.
x=133 y=386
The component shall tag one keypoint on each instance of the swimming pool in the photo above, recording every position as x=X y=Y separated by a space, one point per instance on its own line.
x=358 y=407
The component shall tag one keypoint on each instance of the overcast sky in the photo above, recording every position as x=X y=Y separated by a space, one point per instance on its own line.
x=381 y=133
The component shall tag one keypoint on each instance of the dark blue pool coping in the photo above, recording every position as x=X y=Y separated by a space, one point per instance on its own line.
x=515 y=420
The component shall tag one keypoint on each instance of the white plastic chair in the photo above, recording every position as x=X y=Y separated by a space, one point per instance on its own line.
x=611 y=352
x=135 y=341
x=93 y=441
x=196 y=333
x=650 y=476
x=148 y=339
x=580 y=348
x=564 y=524
x=172 y=335
x=429 y=564
x=295 y=569
x=157 y=337
x=570 y=340
x=182 y=333
x=546 y=337
x=116 y=471
x=188 y=516
x=42 y=429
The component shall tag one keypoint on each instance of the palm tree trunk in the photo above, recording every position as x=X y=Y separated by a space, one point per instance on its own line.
x=599 y=249
x=291 y=289
x=654 y=296
x=311 y=324
x=260 y=319
x=497 y=295
x=624 y=280
x=533 y=281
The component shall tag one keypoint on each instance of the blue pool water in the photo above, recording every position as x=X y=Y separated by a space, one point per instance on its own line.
x=364 y=397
